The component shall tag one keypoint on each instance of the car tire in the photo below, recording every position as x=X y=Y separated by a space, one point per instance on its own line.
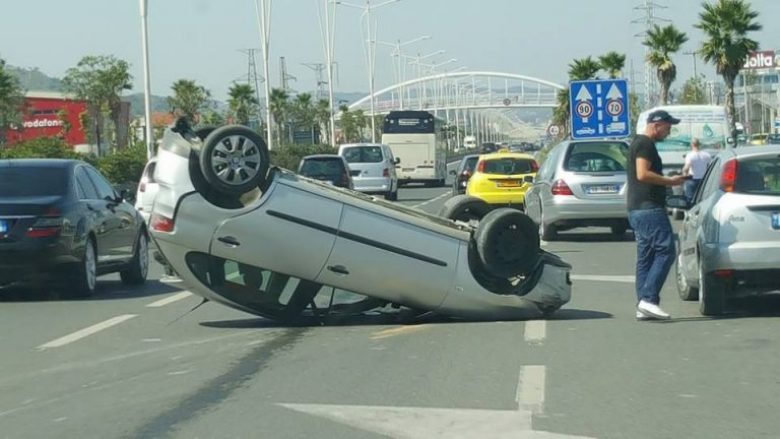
x=548 y=232
x=86 y=274
x=712 y=293
x=138 y=269
x=686 y=292
x=507 y=243
x=464 y=208
x=392 y=195
x=619 y=231
x=234 y=159
x=204 y=131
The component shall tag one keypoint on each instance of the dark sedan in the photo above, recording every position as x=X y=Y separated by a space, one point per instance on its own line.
x=62 y=223
x=463 y=173
x=331 y=168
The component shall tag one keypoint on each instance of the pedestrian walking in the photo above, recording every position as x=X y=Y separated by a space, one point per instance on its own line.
x=695 y=167
x=646 y=200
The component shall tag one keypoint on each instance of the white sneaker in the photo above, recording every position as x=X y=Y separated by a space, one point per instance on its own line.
x=640 y=316
x=651 y=310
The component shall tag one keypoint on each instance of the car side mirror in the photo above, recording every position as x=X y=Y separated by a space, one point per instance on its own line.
x=678 y=202
x=730 y=140
x=452 y=172
x=528 y=179
x=397 y=160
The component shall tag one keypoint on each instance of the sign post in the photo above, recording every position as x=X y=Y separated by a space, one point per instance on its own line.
x=599 y=109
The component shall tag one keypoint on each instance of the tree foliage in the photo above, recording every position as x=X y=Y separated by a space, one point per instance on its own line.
x=11 y=101
x=242 y=103
x=188 y=99
x=694 y=91
x=289 y=155
x=613 y=63
x=352 y=124
x=663 y=42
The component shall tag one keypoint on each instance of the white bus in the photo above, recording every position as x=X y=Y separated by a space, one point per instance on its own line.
x=415 y=137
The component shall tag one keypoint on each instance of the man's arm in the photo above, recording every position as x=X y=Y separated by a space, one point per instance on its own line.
x=646 y=175
x=687 y=165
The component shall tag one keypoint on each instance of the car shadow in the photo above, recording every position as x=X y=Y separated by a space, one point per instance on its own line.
x=593 y=237
x=106 y=290
x=767 y=306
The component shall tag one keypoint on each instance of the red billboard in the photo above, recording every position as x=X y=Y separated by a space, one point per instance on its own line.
x=762 y=59
x=50 y=115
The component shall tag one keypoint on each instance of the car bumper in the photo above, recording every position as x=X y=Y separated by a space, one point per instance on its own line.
x=34 y=262
x=372 y=185
x=502 y=198
x=568 y=208
x=742 y=256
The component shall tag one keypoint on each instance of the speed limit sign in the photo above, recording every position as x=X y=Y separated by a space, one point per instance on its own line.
x=615 y=107
x=584 y=109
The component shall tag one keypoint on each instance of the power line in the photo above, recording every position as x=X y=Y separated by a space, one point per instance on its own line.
x=319 y=71
x=650 y=19
x=253 y=79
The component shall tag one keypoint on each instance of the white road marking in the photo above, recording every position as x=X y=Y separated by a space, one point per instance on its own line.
x=530 y=389
x=78 y=335
x=535 y=331
x=599 y=278
x=417 y=206
x=171 y=299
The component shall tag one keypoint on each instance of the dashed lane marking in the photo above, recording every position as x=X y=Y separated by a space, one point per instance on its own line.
x=601 y=278
x=86 y=332
x=168 y=300
x=444 y=195
x=530 y=388
x=535 y=331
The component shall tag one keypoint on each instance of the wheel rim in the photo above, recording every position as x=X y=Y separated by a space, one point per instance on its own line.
x=89 y=266
x=143 y=255
x=236 y=160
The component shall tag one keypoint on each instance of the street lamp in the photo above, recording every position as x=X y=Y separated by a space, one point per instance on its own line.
x=263 y=11
x=147 y=85
x=370 y=41
x=396 y=54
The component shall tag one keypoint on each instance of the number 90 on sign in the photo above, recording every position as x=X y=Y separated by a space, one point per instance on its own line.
x=584 y=109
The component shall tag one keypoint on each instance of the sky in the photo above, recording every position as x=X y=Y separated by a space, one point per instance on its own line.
x=202 y=40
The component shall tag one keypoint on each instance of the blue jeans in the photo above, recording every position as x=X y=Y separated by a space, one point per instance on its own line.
x=689 y=188
x=655 y=251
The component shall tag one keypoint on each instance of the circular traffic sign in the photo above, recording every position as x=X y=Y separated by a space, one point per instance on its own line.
x=614 y=107
x=507 y=101
x=584 y=109
x=553 y=130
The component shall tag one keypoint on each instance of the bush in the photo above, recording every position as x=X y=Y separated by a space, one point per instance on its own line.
x=125 y=165
x=288 y=156
x=45 y=148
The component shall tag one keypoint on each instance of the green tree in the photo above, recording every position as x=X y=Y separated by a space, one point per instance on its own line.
x=280 y=111
x=583 y=68
x=188 y=99
x=613 y=63
x=726 y=25
x=304 y=113
x=242 y=103
x=352 y=124
x=11 y=101
x=100 y=81
x=663 y=42
x=44 y=148
x=694 y=91
x=212 y=117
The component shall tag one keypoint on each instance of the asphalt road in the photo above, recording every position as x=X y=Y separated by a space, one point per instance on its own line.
x=133 y=363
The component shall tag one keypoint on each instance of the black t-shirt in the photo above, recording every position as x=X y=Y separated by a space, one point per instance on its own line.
x=644 y=195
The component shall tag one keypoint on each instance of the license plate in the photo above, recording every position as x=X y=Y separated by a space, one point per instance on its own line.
x=509 y=183
x=605 y=189
x=776 y=220
x=407 y=169
x=3 y=226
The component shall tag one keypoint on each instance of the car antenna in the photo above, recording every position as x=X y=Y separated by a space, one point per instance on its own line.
x=193 y=309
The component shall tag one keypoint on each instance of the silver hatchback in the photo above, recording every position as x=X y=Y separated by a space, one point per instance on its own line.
x=580 y=184
x=730 y=237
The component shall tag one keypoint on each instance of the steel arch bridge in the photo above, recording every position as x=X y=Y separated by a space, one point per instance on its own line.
x=470 y=90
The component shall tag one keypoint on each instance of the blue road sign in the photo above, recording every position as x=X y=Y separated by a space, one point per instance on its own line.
x=599 y=108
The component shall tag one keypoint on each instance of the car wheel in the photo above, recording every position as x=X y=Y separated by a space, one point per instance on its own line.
x=712 y=293
x=139 y=266
x=204 y=131
x=619 y=231
x=507 y=243
x=685 y=291
x=465 y=209
x=548 y=232
x=234 y=159
x=392 y=196
x=86 y=273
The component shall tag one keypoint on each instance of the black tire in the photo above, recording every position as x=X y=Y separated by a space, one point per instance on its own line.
x=392 y=195
x=619 y=231
x=136 y=272
x=234 y=159
x=548 y=232
x=86 y=273
x=204 y=131
x=507 y=243
x=685 y=291
x=464 y=208
x=712 y=292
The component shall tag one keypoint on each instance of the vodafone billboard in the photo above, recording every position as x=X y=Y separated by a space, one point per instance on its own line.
x=762 y=59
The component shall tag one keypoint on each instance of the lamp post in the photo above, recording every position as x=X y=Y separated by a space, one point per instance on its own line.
x=396 y=54
x=147 y=86
x=328 y=38
x=370 y=55
x=263 y=11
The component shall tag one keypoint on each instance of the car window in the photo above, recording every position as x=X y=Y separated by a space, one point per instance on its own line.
x=363 y=154
x=103 y=188
x=321 y=167
x=759 y=176
x=548 y=167
x=149 y=171
x=85 y=185
x=469 y=164
x=29 y=181
x=597 y=157
x=507 y=166
x=711 y=180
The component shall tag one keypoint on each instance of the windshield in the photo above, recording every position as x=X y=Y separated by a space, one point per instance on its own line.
x=711 y=135
x=32 y=181
x=507 y=166
x=323 y=167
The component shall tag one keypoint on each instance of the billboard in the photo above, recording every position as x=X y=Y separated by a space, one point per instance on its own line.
x=760 y=60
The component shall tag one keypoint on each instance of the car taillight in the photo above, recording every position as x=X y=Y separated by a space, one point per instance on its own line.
x=561 y=188
x=728 y=178
x=47 y=225
x=385 y=172
x=534 y=166
x=161 y=223
x=481 y=166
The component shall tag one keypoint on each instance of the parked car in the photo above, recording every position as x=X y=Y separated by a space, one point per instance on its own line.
x=758 y=139
x=330 y=168
x=276 y=241
x=500 y=178
x=63 y=224
x=729 y=243
x=463 y=173
x=372 y=167
x=773 y=139
x=580 y=184
x=147 y=189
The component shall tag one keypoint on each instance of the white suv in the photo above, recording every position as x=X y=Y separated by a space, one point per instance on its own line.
x=372 y=166
x=147 y=189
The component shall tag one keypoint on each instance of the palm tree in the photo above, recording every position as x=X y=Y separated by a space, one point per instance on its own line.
x=613 y=63
x=280 y=108
x=242 y=102
x=303 y=109
x=726 y=25
x=664 y=41
x=188 y=99
x=579 y=69
x=583 y=68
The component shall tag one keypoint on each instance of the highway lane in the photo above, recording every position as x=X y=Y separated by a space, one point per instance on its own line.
x=591 y=370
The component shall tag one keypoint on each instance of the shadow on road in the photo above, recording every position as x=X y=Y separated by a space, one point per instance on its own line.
x=106 y=290
x=593 y=237
x=767 y=306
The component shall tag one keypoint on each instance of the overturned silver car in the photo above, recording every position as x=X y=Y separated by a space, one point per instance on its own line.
x=269 y=242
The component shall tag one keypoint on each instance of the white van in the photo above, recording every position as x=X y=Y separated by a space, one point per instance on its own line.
x=470 y=142
x=372 y=167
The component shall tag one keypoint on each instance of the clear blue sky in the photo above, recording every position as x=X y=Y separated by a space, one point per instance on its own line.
x=201 y=39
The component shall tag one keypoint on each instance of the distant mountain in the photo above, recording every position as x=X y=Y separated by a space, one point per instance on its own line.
x=34 y=79
x=159 y=103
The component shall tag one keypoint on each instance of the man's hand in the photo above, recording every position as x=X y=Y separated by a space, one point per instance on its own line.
x=676 y=180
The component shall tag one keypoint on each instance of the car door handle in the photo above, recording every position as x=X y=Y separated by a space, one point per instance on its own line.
x=229 y=240
x=339 y=269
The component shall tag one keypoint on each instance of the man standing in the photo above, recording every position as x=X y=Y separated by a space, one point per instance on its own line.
x=696 y=163
x=646 y=199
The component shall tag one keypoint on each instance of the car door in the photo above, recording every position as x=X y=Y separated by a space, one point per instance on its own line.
x=384 y=257
x=120 y=223
x=690 y=230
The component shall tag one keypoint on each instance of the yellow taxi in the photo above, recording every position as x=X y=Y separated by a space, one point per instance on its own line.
x=499 y=178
